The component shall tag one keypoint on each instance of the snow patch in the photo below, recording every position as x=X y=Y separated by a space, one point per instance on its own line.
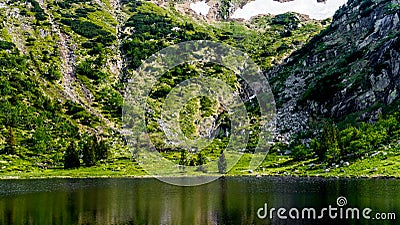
x=200 y=8
x=311 y=8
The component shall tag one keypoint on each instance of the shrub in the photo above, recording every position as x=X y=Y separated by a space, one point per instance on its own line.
x=289 y=20
x=85 y=68
x=328 y=147
x=182 y=159
x=392 y=8
x=88 y=152
x=301 y=152
x=71 y=157
x=85 y=28
x=102 y=149
x=82 y=12
x=5 y=45
x=10 y=142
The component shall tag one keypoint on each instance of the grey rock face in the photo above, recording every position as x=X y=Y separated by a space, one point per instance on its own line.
x=350 y=67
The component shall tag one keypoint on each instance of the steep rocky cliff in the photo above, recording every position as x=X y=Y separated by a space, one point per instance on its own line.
x=351 y=68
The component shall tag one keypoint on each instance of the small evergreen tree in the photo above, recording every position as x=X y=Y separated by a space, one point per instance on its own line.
x=182 y=160
x=88 y=152
x=201 y=159
x=222 y=163
x=10 y=142
x=328 y=149
x=102 y=149
x=71 y=157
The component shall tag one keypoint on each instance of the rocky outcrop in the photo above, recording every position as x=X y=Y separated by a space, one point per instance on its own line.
x=351 y=67
x=219 y=9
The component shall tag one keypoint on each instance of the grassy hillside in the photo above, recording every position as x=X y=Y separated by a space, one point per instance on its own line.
x=65 y=66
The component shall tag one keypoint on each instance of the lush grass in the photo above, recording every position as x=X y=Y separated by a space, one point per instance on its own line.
x=24 y=169
x=380 y=165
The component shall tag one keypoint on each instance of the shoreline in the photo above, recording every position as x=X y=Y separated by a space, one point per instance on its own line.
x=255 y=175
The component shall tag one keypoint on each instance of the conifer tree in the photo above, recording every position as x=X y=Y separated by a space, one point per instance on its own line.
x=88 y=152
x=201 y=159
x=328 y=149
x=10 y=142
x=222 y=163
x=71 y=157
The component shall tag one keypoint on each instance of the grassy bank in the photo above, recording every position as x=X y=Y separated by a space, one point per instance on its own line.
x=382 y=164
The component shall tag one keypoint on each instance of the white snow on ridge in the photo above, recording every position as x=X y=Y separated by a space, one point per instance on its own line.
x=200 y=8
x=311 y=8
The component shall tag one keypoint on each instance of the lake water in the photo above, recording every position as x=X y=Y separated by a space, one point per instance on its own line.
x=231 y=200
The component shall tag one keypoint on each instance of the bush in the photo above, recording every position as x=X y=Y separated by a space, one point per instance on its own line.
x=82 y=12
x=53 y=73
x=10 y=142
x=85 y=68
x=71 y=157
x=5 y=45
x=289 y=20
x=85 y=28
x=88 y=152
x=365 y=4
x=392 y=8
x=102 y=149
x=182 y=158
x=112 y=101
x=94 y=150
x=328 y=147
x=40 y=15
x=301 y=152
x=105 y=39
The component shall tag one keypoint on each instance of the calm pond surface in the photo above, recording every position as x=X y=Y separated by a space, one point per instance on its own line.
x=231 y=200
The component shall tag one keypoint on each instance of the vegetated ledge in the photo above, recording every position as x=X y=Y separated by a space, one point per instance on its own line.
x=371 y=168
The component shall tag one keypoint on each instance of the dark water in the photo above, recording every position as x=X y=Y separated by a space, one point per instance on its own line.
x=225 y=201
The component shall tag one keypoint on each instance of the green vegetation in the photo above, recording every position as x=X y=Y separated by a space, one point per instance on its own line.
x=222 y=163
x=154 y=28
x=383 y=164
x=71 y=158
x=85 y=28
x=39 y=13
x=61 y=91
x=392 y=8
x=353 y=141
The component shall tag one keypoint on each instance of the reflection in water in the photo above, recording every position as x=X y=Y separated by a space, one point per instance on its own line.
x=149 y=201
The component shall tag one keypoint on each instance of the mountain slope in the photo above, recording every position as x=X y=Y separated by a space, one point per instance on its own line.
x=351 y=67
x=338 y=96
x=64 y=65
